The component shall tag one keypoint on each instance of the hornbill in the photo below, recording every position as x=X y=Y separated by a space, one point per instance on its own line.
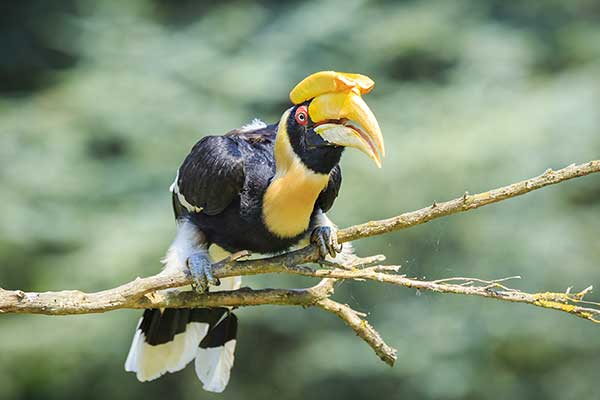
x=261 y=188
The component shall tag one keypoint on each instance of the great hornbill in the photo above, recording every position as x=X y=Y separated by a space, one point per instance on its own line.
x=261 y=188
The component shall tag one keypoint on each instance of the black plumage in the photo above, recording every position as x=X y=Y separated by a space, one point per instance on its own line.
x=225 y=331
x=227 y=176
x=160 y=327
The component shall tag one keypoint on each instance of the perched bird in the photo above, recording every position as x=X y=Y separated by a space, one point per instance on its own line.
x=261 y=188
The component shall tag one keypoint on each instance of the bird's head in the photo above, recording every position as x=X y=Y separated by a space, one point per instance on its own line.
x=328 y=115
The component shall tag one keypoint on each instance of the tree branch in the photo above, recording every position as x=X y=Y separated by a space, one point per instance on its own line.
x=147 y=292
x=362 y=328
x=467 y=202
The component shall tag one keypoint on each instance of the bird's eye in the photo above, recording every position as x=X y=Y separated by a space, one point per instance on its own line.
x=302 y=115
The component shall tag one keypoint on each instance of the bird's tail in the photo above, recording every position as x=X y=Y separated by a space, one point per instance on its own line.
x=166 y=340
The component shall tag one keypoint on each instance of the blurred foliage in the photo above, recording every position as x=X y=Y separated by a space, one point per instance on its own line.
x=101 y=101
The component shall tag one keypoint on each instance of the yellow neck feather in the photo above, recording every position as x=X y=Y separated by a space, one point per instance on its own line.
x=290 y=198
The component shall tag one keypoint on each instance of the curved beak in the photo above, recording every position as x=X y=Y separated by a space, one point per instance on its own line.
x=343 y=118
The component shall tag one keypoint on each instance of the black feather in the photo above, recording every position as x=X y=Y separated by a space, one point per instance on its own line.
x=212 y=175
x=161 y=327
x=227 y=176
x=330 y=193
x=225 y=331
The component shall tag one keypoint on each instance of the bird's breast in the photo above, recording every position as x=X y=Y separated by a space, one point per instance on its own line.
x=289 y=200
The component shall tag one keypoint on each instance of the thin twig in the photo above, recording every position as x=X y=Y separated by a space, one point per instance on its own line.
x=362 y=328
x=467 y=202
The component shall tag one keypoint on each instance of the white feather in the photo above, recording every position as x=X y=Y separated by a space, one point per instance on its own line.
x=131 y=362
x=187 y=242
x=185 y=345
x=255 y=125
x=174 y=188
x=213 y=366
x=150 y=362
x=227 y=284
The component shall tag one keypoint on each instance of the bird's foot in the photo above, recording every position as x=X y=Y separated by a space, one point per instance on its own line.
x=325 y=237
x=200 y=268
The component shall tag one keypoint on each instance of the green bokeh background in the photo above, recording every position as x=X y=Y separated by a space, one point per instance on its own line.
x=101 y=101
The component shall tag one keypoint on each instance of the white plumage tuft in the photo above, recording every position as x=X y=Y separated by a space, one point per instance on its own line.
x=213 y=366
x=255 y=125
x=185 y=244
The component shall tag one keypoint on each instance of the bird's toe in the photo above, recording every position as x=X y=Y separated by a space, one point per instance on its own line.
x=325 y=238
x=200 y=269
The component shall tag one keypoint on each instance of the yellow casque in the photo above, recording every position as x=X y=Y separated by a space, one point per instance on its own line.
x=339 y=113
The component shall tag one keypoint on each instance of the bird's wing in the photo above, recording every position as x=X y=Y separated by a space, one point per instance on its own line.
x=211 y=176
x=329 y=194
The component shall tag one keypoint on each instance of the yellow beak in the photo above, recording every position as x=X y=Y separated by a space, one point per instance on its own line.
x=345 y=119
x=339 y=113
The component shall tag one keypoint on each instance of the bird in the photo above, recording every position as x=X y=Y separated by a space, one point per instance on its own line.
x=260 y=188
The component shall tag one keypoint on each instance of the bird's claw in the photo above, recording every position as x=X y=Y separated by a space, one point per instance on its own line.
x=200 y=269
x=325 y=237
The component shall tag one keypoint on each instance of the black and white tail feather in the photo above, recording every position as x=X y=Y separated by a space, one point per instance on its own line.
x=167 y=340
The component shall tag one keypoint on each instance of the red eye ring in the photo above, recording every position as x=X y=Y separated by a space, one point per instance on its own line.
x=301 y=115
